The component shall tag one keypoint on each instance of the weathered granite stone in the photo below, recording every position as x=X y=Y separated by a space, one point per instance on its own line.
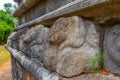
x=17 y=71
x=33 y=44
x=56 y=36
x=94 y=77
x=14 y=67
x=81 y=46
x=55 y=4
x=9 y=41
x=36 y=70
x=14 y=38
x=112 y=49
x=73 y=42
x=65 y=48
x=17 y=34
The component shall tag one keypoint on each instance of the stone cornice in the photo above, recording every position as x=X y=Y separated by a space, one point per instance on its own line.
x=24 y=6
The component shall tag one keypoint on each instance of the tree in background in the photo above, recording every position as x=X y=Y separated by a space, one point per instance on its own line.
x=7 y=21
x=9 y=8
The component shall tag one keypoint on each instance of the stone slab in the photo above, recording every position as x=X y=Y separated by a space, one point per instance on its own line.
x=112 y=49
x=94 y=77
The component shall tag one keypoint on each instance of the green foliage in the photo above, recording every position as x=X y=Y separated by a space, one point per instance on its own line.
x=7 y=22
x=96 y=61
x=6 y=25
x=5 y=18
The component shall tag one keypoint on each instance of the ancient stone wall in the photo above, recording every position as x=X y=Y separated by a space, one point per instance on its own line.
x=66 y=40
x=42 y=7
x=70 y=49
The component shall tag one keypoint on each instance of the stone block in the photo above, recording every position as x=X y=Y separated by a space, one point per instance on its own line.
x=14 y=38
x=73 y=42
x=65 y=48
x=34 y=43
x=112 y=49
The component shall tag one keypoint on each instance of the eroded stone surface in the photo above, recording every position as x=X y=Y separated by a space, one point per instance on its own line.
x=65 y=48
x=73 y=42
x=94 y=77
x=112 y=49
x=14 y=38
x=33 y=44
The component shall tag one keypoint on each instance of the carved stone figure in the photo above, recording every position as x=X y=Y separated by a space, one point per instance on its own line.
x=112 y=49
x=33 y=44
x=65 y=48
x=73 y=42
x=14 y=39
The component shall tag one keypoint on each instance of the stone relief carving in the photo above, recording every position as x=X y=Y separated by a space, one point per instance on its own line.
x=112 y=49
x=73 y=41
x=65 y=48
x=32 y=42
x=14 y=38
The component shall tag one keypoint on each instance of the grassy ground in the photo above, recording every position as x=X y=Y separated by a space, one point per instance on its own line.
x=4 y=55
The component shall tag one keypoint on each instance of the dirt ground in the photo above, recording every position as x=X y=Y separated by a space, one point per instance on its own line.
x=5 y=71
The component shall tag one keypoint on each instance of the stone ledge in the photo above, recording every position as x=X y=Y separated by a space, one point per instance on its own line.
x=24 y=6
x=94 y=77
x=101 y=13
x=27 y=4
x=37 y=70
x=67 y=9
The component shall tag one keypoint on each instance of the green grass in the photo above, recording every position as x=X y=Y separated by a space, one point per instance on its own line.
x=4 y=55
